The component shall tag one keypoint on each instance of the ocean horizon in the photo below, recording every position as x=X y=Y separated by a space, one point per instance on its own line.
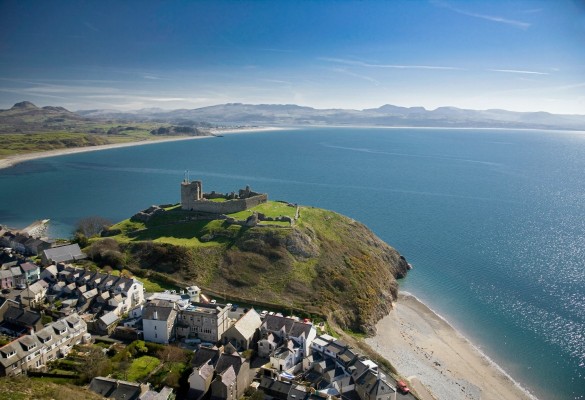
x=492 y=220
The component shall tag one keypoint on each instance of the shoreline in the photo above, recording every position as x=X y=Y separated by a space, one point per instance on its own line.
x=436 y=358
x=13 y=160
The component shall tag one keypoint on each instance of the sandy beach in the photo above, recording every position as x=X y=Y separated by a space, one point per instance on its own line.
x=433 y=355
x=15 y=159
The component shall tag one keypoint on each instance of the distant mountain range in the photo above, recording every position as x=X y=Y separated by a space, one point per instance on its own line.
x=25 y=116
x=387 y=115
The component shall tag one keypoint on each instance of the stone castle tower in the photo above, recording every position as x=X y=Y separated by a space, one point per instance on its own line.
x=193 y=199
x=190 y=192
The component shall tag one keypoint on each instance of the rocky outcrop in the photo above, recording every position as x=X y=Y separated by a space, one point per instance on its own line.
x=145 y=215
x=301 y=244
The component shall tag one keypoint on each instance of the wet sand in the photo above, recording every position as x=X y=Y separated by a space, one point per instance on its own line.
x=429 y=352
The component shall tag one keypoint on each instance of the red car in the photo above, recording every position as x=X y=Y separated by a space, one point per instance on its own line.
x=402 y=387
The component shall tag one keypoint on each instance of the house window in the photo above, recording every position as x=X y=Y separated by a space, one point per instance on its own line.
x=155 y=336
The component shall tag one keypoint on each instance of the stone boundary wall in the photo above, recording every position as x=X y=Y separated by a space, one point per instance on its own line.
x=228 y=206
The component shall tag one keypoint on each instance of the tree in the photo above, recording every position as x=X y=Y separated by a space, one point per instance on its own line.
x=92 y=226
x=96 y=364
x=172 y=354
x=106 y=252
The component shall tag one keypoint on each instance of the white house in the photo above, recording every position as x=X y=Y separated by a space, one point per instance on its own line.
x=158 y=321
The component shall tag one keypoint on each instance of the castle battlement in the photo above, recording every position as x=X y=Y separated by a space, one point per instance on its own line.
x=193 y=199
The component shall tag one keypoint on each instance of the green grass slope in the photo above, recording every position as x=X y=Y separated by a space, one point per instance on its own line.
x=324 y=263
x=23 y=388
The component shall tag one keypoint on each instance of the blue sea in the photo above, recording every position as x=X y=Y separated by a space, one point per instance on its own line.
x=492 y=220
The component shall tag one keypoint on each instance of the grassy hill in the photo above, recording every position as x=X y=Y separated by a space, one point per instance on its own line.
x=23 y=388
x=26 y=128
x=324 y=263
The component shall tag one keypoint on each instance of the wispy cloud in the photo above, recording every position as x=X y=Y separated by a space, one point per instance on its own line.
x=19 y=92
x=493 y=18
x=533 y=10
x=359 y=76
x=570 y=86
x=395 y=66
x=516 y=71
x=276 y=81
x=273 y=50
x=153 y=77
x=69 y=89
x=90 y=26
x=194 y=100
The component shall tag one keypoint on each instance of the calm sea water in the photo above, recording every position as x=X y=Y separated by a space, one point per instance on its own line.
x=493 y=220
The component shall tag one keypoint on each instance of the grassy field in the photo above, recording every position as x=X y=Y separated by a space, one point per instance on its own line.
x=174 y=227
x=141 y=367
x=270 y=209
x=23 y=388
x=22 y=143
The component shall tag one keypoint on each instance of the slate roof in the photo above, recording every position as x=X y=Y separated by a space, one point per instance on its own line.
x=45 y=334
x=5 y=273
x=57 y=287
x=205 y=355
x=229 y=360
x=21 y=317
x=28 y=266
x=274 y=388
x=35 y=288
x=115 y=389
x=274 y=323
x=347 y=356
x=109 y=318
x=126 y=391
x=248 y=324
x=228 y=376
x=29 y=318
x=102 y=386
x=45 y=337
x=73 y=320
x=52 y=269
x=16 y=271
x=297 y=392
x=164 y=394
x=90 y=294
x=64 y=253
x=163 y=309
x=371 y=383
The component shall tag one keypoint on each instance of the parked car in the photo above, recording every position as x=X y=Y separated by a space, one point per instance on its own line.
x=402 y=387
x=5 y=291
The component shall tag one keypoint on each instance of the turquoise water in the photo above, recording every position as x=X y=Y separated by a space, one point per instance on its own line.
x=493 y=220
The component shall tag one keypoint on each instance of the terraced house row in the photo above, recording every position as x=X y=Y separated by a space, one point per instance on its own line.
x=34 y=351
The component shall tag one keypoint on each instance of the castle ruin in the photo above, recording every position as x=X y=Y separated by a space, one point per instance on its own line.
x=193 y=199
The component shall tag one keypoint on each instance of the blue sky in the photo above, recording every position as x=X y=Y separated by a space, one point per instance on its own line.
x=515 y=55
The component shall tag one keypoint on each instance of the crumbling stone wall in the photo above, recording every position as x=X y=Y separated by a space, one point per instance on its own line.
x=193 y=199
x=228 y=206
